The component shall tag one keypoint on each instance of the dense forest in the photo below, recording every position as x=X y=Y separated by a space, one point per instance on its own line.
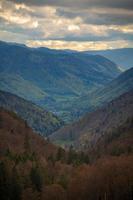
x=98 y=125
x=66 y=100
x=33 y=168
x=38 y=118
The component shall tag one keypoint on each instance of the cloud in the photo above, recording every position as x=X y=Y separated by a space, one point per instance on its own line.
x=123 y=29
x=126 y=4
x=57 y=24
x=80 y=46
x=17 y=15
x=99 y=16
x=13 y=37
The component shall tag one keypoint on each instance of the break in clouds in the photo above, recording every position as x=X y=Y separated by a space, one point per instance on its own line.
x=75 y=24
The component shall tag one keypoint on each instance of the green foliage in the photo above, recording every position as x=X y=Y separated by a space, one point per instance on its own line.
x=52 y=159
x=60 y=154
x=20 y=158
x=58 y=174
x=10 y=187
x=116 y=151
x=71 y=155
x=77 y=158
x=63 y=181
x=51 y=78
x=39 y=119
x=4 y=182
x=16 y=189
x=36 y=178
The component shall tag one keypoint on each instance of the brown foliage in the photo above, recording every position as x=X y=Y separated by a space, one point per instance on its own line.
x=35 y=169
x=110 y=177
x=53 y=192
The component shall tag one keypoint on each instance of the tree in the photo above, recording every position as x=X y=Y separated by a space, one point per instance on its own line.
x=71 y=155
x=36 y=178
x=29 y=194
x=54 y=192
x=4 y=182
x=60 y=154
x=27 y=142
x=16 y=189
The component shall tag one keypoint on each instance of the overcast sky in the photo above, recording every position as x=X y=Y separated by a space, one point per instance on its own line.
x=68 y=24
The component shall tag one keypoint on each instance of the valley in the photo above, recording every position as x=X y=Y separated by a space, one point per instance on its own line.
x=50 y=78
x=66 y=126
x=32 y=167
x=66 y=100
x=87 y=131
x=39 y=119
x=90 y=102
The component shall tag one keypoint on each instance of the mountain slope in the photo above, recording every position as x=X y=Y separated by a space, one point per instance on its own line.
x=54 y=77
x=122 y=57
x=32 y=168
x=14 y=132
x=117 y=141
x=38 y=118
x=122 y=84
x=88 y=130
x=20 y=86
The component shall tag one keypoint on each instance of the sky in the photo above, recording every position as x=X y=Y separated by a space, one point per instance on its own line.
x=68 y=24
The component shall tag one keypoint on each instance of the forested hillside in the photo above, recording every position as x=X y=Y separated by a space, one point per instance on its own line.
x=66 y=100
x=39 y=119
x=50 y=78
x=88 y=130
x=32 y=168
x=122 y=57
x=88 y=103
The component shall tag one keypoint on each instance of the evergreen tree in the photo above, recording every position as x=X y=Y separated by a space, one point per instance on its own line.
x=16 y=189
x=36 y=178
x=60 y=154
x=4 y=182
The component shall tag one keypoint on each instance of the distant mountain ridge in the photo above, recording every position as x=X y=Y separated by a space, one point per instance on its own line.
x=39 y=119
x=51 y=77
x=120 y=85
x=122 y=57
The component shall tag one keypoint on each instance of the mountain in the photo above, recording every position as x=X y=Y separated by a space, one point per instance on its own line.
x=38 y=118
x=88 y=103
x=18 y=137
x=51 y=78
x=86 y=132
x=123 y=83
x=116 y=142
x=26 y=160
x=33 y=168
x=122 y=57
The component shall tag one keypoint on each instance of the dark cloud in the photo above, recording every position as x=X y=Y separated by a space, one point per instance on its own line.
x=98 y=18
x=126 y=4
x=71 y=20
x=110 y=19
x=68 y=13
